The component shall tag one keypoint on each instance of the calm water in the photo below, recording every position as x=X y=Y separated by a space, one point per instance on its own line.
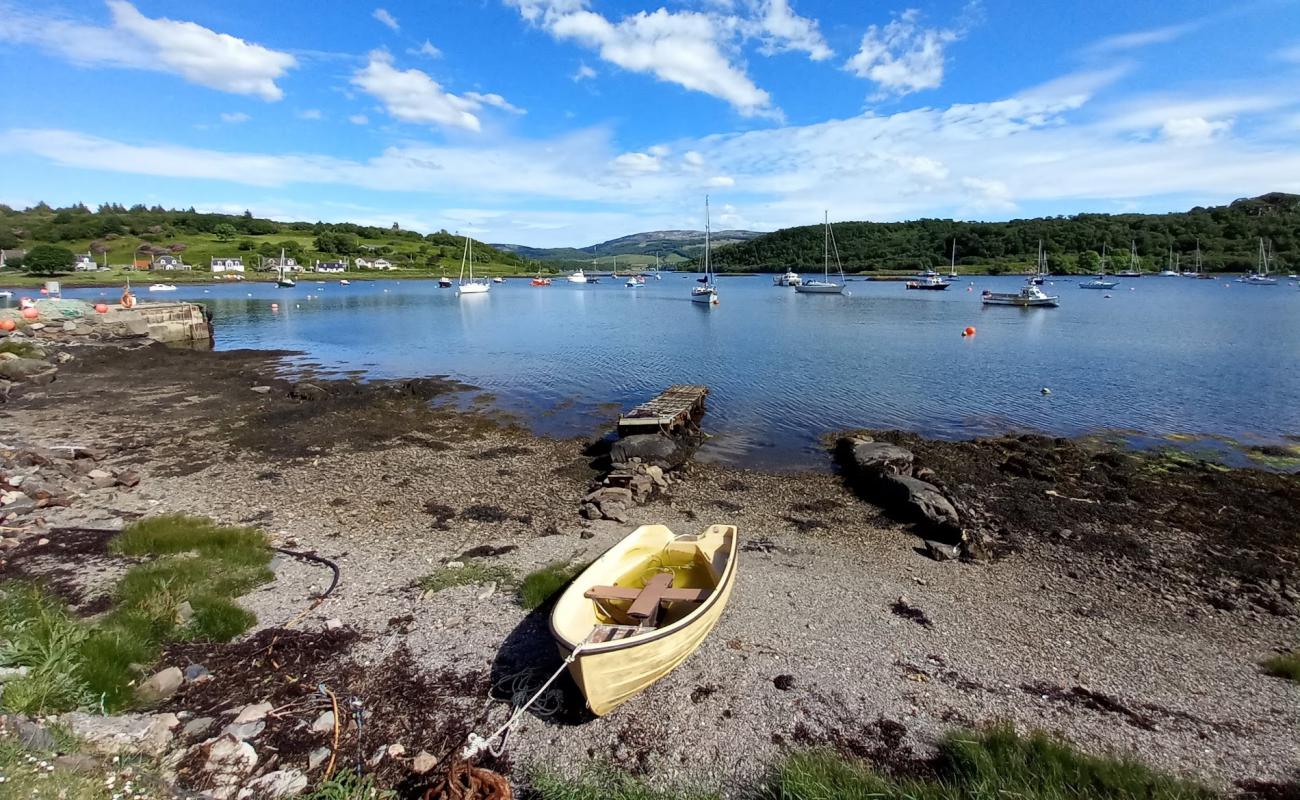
x=1161 y=356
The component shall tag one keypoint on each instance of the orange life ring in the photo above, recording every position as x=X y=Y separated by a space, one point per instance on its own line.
x=128 y=299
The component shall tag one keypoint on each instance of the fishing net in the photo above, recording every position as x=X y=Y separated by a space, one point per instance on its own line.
x=66 y=309
x=466 y=782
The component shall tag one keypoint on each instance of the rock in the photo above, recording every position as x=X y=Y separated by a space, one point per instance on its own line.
x=76 y=764
x=642 y=488
x=103 y=483
x=122 y=735
x=783 y=682
x=308 y=392
x=324 y=723
x=160 y=686
x=615 y=494
x=590 y=511
x=27 y=370
x=244 y=731
x=37 y=326
x=63 y=358
x=941 y=551
x=921 y=501
x=9 y=543
x=98 y=473
x=197 y=673
x=92 y=453
x=872 y=459
x=9 y=673
x=423 y=762
x=396 y=750
x=69 y=326
x=184 y=613
x=336 y=624
x=654 y=449
x=23 y=505
x=614 y=511
x=34 y=736
x=281 y=783
x=127 y=478
x=262 y=389
x=196 y=727
x=489 y=589
x=317 y=757
x=229 y=762
x=253 y=713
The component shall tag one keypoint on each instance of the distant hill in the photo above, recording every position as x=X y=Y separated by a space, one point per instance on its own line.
x=672 y=246
x=1229 y=241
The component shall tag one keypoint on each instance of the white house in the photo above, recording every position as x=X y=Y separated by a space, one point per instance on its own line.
x=169 y=263
x=85 y=263
x=227 y=264
x=289 y=264
x=378 y=263
x=332 y=266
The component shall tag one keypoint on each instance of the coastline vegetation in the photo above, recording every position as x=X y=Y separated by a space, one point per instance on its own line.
x=185 y=590
x=541 y=584
x=473 y=573
x=1284 y=665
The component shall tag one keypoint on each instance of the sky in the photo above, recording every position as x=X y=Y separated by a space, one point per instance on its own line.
x=569 y=122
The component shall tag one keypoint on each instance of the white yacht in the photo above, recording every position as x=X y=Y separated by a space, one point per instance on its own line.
x=578 y=276
x=1029 y=296
x=471 y=286
x=1260 y=276
x=826 y=285
x=790 y=278
x=706 y=294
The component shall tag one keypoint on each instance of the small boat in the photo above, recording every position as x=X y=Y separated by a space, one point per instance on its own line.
x=578 y=277
x=642 y=608
x=1029 y=296
x=471 y=286
x=282 y=279
x=790 y=278
x=345 y=282
x=1041 y=273
x=162 y=287
x=952 y=265
x=5 y=294
x=1134 y=263
x=593 y=280
x=1195 y=271
x=540 y=281
x=498 y=280
x=1260 y=276
x=1171 y=268
x=635 y=281
x=707 y=294
x=1100 y=282
x=444 y=282
x=933 y=283
x=826 y=285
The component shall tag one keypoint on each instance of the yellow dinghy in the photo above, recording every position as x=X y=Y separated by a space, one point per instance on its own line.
x=642 y=608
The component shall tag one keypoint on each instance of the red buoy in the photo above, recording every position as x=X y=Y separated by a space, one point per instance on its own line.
x=970 y=331
x=7 y=325
x=31 y=313
x=101 y=308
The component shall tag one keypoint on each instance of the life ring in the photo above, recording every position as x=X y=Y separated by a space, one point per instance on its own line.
x=128 y=299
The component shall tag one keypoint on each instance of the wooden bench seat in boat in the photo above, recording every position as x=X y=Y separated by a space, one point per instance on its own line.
x=646 y=602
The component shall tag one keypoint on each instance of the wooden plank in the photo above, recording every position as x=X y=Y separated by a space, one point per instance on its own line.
x=628 y=593
x=646 y=605
x=672 y=408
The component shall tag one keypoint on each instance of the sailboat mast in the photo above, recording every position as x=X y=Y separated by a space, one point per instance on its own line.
x=826 y=247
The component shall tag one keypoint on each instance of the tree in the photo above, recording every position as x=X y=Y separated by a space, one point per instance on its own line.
x=1089 y=261
x=343 y=244
x=247 y=245
x=48 y=259
x=225 y=232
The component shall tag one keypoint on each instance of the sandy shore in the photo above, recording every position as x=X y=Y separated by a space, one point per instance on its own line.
x=1124 y=644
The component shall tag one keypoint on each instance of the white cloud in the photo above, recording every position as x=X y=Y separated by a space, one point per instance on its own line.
x=783 y=30
x=412 y=96
x=584 y=73
x=197 y=54
x=904 y=57
x=386 y=18
x=427 y=49
x=636 y=163
x=1194 y=130
x=359 y=119
x=681 y=47
x=720 y=182
x=1137 y=39
x=310 y=113
x=235 y=117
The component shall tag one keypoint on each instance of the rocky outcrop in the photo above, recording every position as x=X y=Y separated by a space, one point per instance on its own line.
x=653 y=449
x=885 y=474
x=128 y=734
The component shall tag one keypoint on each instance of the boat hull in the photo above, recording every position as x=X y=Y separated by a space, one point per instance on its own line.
x=819 y=288
x=1102 y=285
x=611 y=673
x=1050 y=302
x=928 y=287
x=473 y=288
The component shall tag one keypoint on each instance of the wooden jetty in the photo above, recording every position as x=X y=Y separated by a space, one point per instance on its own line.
x=677 y=409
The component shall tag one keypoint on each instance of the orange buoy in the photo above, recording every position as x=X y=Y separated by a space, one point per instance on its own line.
x=7 y=324
x=101 y=308
x=275 y=306
x=970 y=331
x=31 y=313
x=44 y=290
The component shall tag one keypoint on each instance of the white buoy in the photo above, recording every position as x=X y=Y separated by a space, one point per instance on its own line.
x=1045 y=390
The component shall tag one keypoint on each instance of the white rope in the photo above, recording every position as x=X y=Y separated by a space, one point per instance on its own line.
x=476 y=744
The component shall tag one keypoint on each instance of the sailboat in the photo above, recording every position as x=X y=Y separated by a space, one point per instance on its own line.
x=282 y=280
x=708 y=293
x=1100 y=281
x=952 y=266
x=1171 y=267
x=470 y=286
x=1134 y=264
x=1260 y=276
x=826 y=285
x=1041 y=272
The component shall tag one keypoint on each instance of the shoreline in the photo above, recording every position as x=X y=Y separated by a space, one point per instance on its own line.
x=1096 y=588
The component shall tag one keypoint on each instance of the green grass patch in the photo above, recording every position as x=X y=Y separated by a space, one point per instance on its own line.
x=347 y=785
x=1286 y=665
x=473 y=573
x=540 y=585
x=606 y=783
x=22 y=349
x=192 y=560
x=988 y=765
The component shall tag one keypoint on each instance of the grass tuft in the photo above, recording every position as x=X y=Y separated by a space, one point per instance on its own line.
x=347 y=785
x=988 y=765
x=37 y=633
x=473 y=573
x=1285 y=665
x=541 y=584
x=22 y=349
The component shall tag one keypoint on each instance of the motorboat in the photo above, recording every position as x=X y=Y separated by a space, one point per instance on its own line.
x=498 y=279
x=1100 y=282
x=790 y=278
x=345 y=282
x=162 y=287
x=444 y=282
x=540 y=281
x=932 y=283
x=578 y=276
x=1029 y=296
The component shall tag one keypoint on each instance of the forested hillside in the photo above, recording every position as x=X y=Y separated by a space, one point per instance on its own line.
x=117 y=234
x=1229 y=239
x=672 y=248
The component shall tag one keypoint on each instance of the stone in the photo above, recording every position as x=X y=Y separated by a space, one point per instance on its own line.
x=160 y=686
x=27 y=370
x=69 y=326
x=423 y=762
x=262 y=389
x=127 y=478
x=229 y=761
x=23 y=505
x=98 y=473
x=63 y=358
x=197 y=673
x=253 y=713
x=489 y=589
x=184 y=613
x=941 y=551
x=197 y=727
x=9 y=673
x=128 y=734
x=872 y=458
x=280 y=783
x=336 y=624
x=396 y=750
x=783 y=682
x=34 y=736
x=324 y=723
x=9 y=543
x=921 y=501
x=244 y=731
x=614 y=511
x=308 y=392
x=615 y=494
x=76 y=764
x=590 y=511
x=317 y=757
x=655 y=449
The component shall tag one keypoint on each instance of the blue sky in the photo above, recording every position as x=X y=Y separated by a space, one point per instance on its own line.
x=567 y=122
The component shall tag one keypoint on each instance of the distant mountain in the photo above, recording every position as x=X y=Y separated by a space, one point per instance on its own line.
x=672 y=246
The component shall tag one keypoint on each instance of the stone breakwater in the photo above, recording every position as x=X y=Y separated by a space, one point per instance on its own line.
x=68 y=321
